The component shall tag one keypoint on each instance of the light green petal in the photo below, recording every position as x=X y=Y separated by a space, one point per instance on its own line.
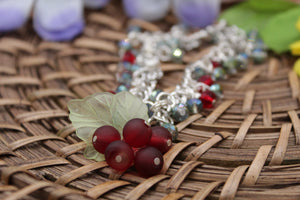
x=91 y=153
x=101 y=102
x=85 y=132
x=126 y=106
x=90 y=113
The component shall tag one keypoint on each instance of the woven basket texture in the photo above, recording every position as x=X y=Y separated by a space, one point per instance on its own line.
x=246 y=147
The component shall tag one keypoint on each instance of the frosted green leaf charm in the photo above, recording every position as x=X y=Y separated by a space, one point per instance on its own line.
x=90 y=113
x=101 y=109
x=126 y=106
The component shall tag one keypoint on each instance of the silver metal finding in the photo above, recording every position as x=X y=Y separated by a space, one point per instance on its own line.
x=158 y=47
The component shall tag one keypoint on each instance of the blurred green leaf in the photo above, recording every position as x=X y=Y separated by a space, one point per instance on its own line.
x=245 y=17
x=281 y=30
x=271 y=5
x=274 y=19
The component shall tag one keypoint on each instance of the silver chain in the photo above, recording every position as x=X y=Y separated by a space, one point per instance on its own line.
x=158 y=47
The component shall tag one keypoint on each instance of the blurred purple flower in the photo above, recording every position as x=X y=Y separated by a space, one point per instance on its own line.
x=14 y=13
x=55 y=20
x=58 y=20
x=197 y=13
x=149 y=10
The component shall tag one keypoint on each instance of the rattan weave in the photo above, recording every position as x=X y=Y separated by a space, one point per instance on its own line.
x=247 y=147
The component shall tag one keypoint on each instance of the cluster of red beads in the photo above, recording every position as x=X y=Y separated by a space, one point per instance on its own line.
x=142 y=146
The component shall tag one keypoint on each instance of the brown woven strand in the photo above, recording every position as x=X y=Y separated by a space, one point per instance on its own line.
x=249 y=140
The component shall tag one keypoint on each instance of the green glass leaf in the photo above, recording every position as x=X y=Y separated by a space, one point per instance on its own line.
x=91 y=153
x=281 y=30
x=271 y=5
x=90 y=113
x=126 y=106
x=102 y=109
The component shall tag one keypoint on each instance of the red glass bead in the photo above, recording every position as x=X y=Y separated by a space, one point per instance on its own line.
x=103 y=136
x=119 y=155
x=137 y=133
x=216 y=64
x=148 y=161
x=206 y=79
x=161 y=139
x=129 y=57
x=207 y=98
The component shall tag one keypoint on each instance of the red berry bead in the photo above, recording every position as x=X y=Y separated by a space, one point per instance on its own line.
x=208 y=98
x=103 y=136
x=129 y=57
x=119 y=155
x=161 y=139
x=216 y=64
x=148 y=161
x=206 y=79
x=137 y=133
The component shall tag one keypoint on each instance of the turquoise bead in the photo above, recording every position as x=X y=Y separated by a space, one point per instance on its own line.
x=134 y=68
x=242 y=61
x=219 y=73
x=259 y=56
x=121 y=88
x=194 y=105
x=230 y=65
x=125 y=77
x=197 y=73
x=172 y=129
x=127 y=65
x=217 y=89
x=252 y=35
x=180 y=113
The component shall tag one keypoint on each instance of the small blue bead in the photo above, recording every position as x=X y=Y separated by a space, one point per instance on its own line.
x=259 y=56
x=127 y=65
x=230 y=65
x=150 y=113
x=121 y=88
x=154 y=94
x=219 y=73
x=252 y=35
x=134 y=67
x=197 y=73
x=194 y=105
x=180 y=113
x=124 y=44
x=172 y=129
x=244 y=55
x=242 y=61
x=217 y=89
x=125 y=77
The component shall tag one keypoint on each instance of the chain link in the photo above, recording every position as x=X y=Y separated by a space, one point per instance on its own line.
x=158 y=46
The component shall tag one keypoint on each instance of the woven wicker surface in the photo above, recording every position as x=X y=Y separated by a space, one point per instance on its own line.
x=254 y=155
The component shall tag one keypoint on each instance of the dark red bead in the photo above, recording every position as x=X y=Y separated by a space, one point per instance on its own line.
x=119 y=155
x=206 y=79
x=161 y=139
x=216 y=64
x=103 y=136
x=148 y=161
x=137 y=133
x=208 y=98
x=129 y=57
